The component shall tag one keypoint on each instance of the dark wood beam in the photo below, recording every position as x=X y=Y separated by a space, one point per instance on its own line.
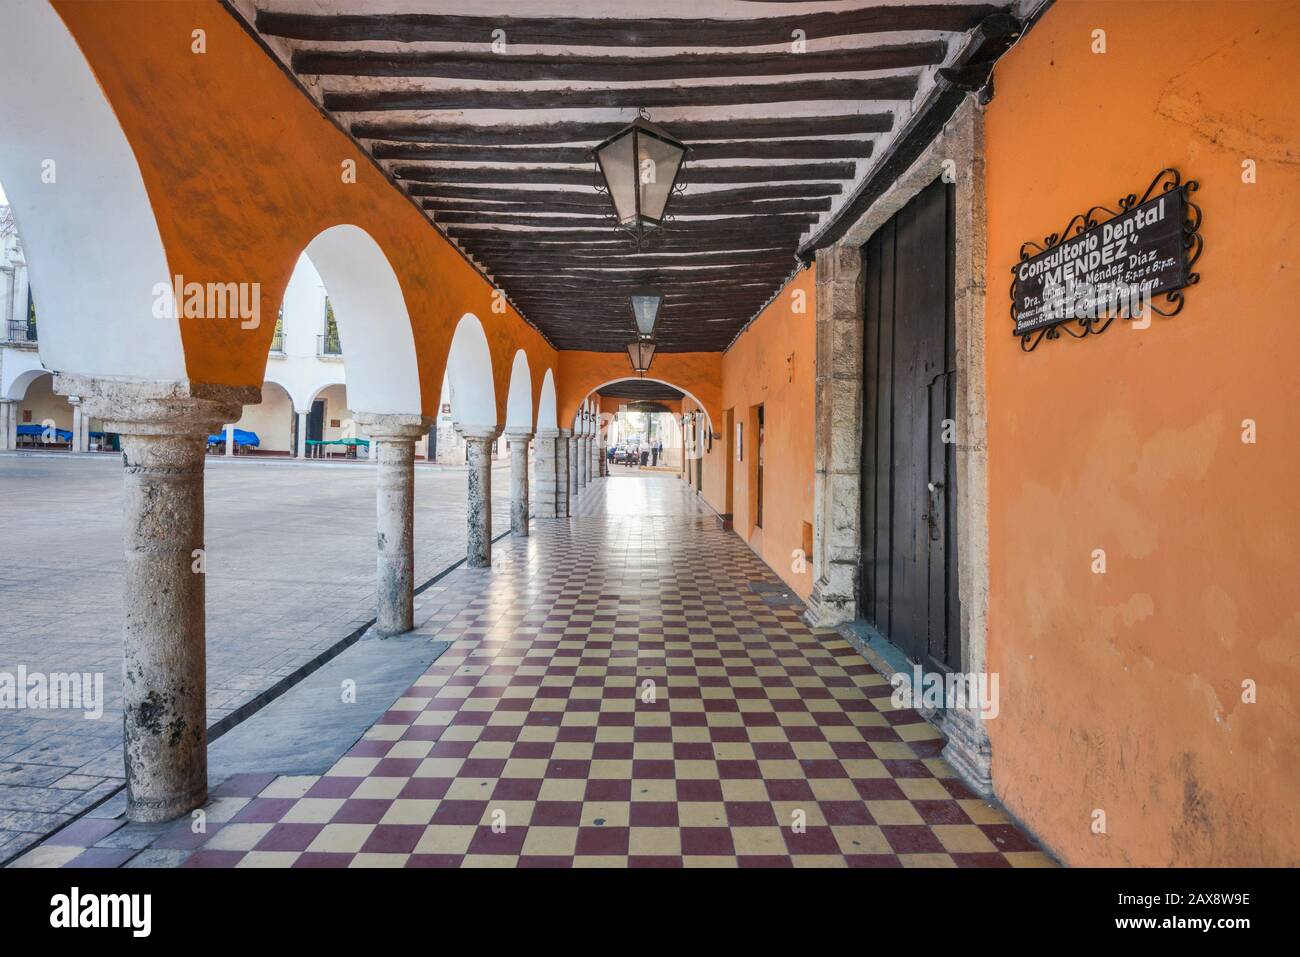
x=581 y=258
x=680 y=205
x=637 y=32
x=552 y=221
x=901 y=87
x=586 y=177
x=679 y=234
x=592 y=132
x=736 y=149
x=589 y=197
x=482 y=65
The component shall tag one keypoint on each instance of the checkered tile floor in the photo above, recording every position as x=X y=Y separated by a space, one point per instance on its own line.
x=616 y=696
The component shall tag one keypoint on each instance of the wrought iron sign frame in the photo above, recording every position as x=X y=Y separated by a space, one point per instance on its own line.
x=1166 y=181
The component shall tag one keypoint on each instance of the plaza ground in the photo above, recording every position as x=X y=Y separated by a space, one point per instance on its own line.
x=290 y=572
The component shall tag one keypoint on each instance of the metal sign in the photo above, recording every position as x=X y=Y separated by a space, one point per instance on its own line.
x=1109 y=264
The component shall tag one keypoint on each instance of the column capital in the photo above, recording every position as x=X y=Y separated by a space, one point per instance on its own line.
x=518 y=435
x=483 y=433
x=565 y=433
x=157 y=407
x=548 y=433
x=393 y=426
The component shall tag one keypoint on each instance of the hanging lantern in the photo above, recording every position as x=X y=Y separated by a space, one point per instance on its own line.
x=640 y=166
x=642 y=353
x=645 y=312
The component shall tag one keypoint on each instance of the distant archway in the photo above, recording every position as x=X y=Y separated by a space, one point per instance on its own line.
x=546 y=403
x=469 y=371
x=519 y=399
x=374 y=326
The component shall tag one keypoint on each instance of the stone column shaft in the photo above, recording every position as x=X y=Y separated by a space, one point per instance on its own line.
x=478 y=446
x=519 y=481
x=164 y=428
x=573 y=472
x=563 y=473
x=392 y=444
x=302 y=435
x=8 y=424
x=545 y=488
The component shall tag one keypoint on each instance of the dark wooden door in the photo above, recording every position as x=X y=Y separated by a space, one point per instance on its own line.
x=909 y=554
x=316 y=421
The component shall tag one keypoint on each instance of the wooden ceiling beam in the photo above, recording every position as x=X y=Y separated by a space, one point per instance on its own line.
x=589 y=197
x=552 y=221
x=593 y=131
x=738 y=149
x=481 y=65
x=600 y=213
x=898 y=87
x=540 y=175
x=636 y=32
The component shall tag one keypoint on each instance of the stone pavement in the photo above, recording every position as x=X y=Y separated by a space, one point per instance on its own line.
x=291 y=571
x=619 y=689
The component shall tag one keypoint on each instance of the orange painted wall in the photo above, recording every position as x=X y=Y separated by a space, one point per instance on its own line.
x=243 y=172
x=1122 y=692
x=581 y=373
x=774 y=364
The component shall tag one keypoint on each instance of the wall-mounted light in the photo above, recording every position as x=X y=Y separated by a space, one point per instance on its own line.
x=642 y=353
x=640 y=166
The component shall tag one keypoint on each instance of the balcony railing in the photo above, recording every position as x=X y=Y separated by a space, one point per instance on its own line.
x=277 y=341
x=20 y=331
x=328 y=346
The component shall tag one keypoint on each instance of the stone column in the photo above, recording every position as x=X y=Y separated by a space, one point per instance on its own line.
x=563 y=472
x=838 y=439
x=597 y=460
x=78 y=430
x=8 y=424
x=392 y=443
x=302 y=435
x=164 y=428
x=478 y=445
x=519 y=481
x=573 y=472
x=230 y=440
x=545 y=485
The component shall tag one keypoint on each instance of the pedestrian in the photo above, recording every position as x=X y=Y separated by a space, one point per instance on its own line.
x=654 y=453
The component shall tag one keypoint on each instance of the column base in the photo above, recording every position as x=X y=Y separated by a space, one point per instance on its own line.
x=825 y=610
x=968 y=750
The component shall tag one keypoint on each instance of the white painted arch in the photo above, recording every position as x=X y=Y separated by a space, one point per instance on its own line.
x=546 y=413
x=671 y=385
x=383 y=375
x=469 y=372
x=519 y=399
x=94 y=253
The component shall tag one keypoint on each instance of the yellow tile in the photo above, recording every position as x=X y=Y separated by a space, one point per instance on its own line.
x=439 y=767
x=926 y=860
x=490 y=860
x=982 y=812
x=379 y=860
x=297 y=785
x=470 y=789
x=268 y=859
x=1029 y=859
x=383 y=789
x=740 y=789
x=313 y=811
x=714 y=862
x=750 y=841
x=893 y=812
x=563 y=789
x=592 y=860
x=342 y=838
x=701 y=814
x=612 y=813
x=861 y=839
x=833 y=789
x=923 y=789
x=695 y=770
x=811 y=814
x=654 y=841
x=525 y=768
x=962 y=839
x=237 y=837
x=818 y=860
x=654 y=789
x=409 y=811
x=550 y=841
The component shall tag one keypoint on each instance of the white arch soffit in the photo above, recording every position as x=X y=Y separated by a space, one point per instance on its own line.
x=17 y=389
x=546 y=411
x=519 y=400
x=469 y=369
x=374 y=327
x=96 y=260
x=671 y=385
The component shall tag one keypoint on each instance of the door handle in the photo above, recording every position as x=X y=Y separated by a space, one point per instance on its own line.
x=932 y=516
